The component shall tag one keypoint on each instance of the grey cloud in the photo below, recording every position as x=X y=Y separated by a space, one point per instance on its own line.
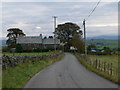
x=59 y=1
x=29 y=15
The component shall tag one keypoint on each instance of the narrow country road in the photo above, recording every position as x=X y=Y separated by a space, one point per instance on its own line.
x=68 y=73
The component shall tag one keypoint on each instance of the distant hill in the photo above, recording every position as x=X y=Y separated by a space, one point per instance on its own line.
x=100 y=43
x=3 y=43
x=102 y=39
x=105 y=37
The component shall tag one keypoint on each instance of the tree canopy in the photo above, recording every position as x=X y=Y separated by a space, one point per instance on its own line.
x=70 y=34
x=12 y=35
x=66 y=31
x=78 y=43
x=91 y=46
x=50 y=36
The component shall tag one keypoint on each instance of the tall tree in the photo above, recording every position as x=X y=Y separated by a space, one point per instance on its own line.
x=68 y=33
x=78 y=43
x=91 y=46
x=13 y=34
x=50 y=36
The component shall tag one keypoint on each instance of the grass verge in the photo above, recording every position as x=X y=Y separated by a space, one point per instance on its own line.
x=97 y=71
x=17 y=77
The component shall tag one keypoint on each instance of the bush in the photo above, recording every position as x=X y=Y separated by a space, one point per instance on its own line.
x=43 y=49
x=50 y=48
x=91 y=46
x=37 y=50
x=106 y=48
x=5 y=49
x=19 y=48
x=28 y=50
x=60 y=47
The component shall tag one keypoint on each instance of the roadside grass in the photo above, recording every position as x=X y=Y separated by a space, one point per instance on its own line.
x=0 y=69
x=113 y=59
x=29 y=53
x=17 y=77
x=108 y=59
x=0 y=50
x=0 y=77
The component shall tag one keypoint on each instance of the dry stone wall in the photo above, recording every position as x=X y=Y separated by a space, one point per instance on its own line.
x=11 y=61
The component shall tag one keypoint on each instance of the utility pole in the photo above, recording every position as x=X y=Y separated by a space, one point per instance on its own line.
x=55 y=18
x=85 y=37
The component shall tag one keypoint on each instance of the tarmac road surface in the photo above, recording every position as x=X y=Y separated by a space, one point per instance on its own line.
x=68 y=73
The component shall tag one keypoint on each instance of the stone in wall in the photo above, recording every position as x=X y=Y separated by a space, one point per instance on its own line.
x=11 y=61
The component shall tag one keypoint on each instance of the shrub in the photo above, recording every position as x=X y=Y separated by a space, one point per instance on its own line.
x=5 y=49
x=37 y=50
x=91 y=46
x=60 y=47
x=19 y=48
x=43 y=49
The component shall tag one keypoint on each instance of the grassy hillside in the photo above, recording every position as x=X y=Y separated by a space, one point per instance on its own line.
x=100 y=43
x=3 y=43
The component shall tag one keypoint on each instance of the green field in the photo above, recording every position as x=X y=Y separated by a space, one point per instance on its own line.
x=103 y=58
x=108 y=59
x=30 y=53
x=100 y=43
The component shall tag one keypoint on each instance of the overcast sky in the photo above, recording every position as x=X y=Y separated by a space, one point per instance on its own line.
x=36 y=17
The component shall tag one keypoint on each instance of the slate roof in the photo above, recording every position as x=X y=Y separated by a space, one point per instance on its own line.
x=28 y=39
x=37 y=40
x=51 y=41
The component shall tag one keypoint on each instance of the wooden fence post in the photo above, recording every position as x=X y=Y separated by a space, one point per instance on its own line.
x=108 y=68
x=96 y=64
x=90 y=62
x=104 y=66
x=111 y=69
x=99 y=65
x=93 y=63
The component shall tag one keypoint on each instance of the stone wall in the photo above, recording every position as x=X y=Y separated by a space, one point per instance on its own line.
x=11 y=61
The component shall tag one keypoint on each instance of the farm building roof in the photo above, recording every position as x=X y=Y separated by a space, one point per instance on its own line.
x=26 y=40
x=37 y=40
x=51 y=41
